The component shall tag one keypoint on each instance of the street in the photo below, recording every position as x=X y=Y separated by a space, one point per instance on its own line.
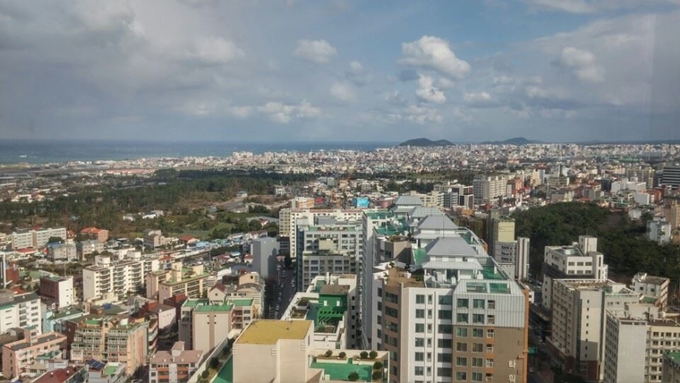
x=285 y=292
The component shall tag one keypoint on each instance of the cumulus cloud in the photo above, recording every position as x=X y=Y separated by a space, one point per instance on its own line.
x=406 y=75
x=357 y=74
x=318 y=51
x=395 y=98
x=343 y=92
x=284 y=113
x=431 y=52
x=582 y=63
x=215 y=50
x=427 y=92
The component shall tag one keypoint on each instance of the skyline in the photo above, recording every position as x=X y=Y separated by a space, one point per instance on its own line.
x=553 y=71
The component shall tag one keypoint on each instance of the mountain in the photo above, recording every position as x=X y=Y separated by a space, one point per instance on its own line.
x=512 y=141
x=426 y=142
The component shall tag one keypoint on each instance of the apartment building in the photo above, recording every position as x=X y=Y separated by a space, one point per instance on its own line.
x=248 y=286
x=671 y=368
x=24 y=238
x=204 y=323
x=327 y=246
x=488 y=188
x=671 y=175
x=579 y=322
x=100 y=235
x=112 y=339
x=284 y=352
x=62 y=252
x=58 y=290
x=175 y=366
x=288 y=219
x=19 y=355
x=652 y=289
x=189 y=281
x=579 y=261
x=19 y=310
x=120 y=277
x=453 y=315
x=88 y=247
x=636 y=343
x=264 y=252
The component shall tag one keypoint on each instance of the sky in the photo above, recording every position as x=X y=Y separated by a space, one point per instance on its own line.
x=364 y=70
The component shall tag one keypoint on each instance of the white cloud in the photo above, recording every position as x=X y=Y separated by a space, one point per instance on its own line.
x=355 y=67
x=434 y=53
x=284 y=113
x=215 y=50
x=477 y=97
x=357 y=74
x=240 y=111
x=427 y=92
x=343 y=92
x=422 y=115
x=593 y=6
x=395 y=98
x=318 y=51
x=582 y=63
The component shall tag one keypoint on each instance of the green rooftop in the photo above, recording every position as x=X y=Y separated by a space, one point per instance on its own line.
x=226 y=373
x=214 y=308
x=242 y=302
x=342 y=371
x=499 y=288
x=319 y=284
x=384 y=214
x=674 y=356
x=110 y=370
x=195 y=302
x=419 y=255
x=489 y=272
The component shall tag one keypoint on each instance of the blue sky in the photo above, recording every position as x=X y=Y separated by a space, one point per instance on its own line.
x=300 y=70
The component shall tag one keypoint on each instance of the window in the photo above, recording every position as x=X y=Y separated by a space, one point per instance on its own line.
x=444 y=371
x=461 y=361
x=477 y=318
x=462 y=303
x=477 y=362
x=420 y=327
x=420 y=313
x=478 y=303
x=445 y=300
x=460 y=375
x=492 y=333
x=461 y=318
x=419 y=371
x=444 y=358
x=477 y=377
x=489 y=347
x=445 y=314
x=489 y=362
x=490 y=319
x=491 y=305
x=420 y=342
x=477 y=332
x=461 y=332
x=477 y=347
x=444 y=343
x=460 y=346
x=420 y=357
x=445 y=328
x=420 y=299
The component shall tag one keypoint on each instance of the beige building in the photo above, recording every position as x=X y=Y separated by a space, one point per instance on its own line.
x=119 y=277
x=189 y=281
x=284 y=353
x=18 y=356
x=115 y=340
x=205 y=323
x=176 y=366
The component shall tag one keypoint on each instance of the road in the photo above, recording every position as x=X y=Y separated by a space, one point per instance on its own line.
x=285 y=291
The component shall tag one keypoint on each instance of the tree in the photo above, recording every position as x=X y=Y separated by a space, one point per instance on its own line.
x=328 y=353
x=342 y=355
x=363 y=355
x=214 y=362
x=353 y=376
x=205 y=374
x=55 y=240
x=377 y=365
x=373 y=354
x=376 y=375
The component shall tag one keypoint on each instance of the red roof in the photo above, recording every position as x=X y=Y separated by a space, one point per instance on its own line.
x=26 y=250
x=90 y=230
x=186 y=238
x=56 y=376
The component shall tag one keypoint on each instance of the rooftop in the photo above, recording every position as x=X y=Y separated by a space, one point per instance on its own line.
x=214 y=308
x=340 y=371
x=334 y=289
x=271 y=331
x=674 y=356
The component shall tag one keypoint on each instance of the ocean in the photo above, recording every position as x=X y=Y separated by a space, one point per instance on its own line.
x=60 y=151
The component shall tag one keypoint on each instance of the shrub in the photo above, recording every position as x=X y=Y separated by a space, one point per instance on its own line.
x=328 y=353
x=353 y=377
x=373 y=354
x=214 y=362
x=364 y=355
x=205 y=373
x=376 y=375
x=377 y=366
x=342 y=355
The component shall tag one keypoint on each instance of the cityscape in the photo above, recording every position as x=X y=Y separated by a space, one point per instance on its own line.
x=267 y=191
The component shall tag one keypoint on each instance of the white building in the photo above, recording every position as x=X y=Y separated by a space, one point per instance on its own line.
x=579 y=261
x=23 y=239
x=119 y=277
x=652 y=289
x=487 y=188
x=288 y=219
x=20 y=310
x=659 y=230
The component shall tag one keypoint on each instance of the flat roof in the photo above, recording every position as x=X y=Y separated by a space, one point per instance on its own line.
x=271 y=331
x=214 y=308
x=674 y=356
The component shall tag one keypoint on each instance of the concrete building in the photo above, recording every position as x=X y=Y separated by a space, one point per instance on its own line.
x=110 y=372
x=284 y=352
x=88 y=247
x=452 y=315
x=111 y=339
x=488 y=188
x=203 y=323
x=61 y=252
x=288 y=219
x=23 y=239
x=579 y=261
x=58 y=290
x=636 y=342
x=189 y=281
x=17 y=356
x=248 y=286
x=522 y=264
x=652 y=289
x=671 y=175
x=175 y=366
x=19 y=310
x=671 y=368
x=264 y=252
x=659 y=230
x=579 y=322
x=119 y=277
x=154 y=239
x=100 y=235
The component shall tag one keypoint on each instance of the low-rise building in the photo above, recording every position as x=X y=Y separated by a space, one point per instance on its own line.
x=62 y=252
x=19 y=310
x=109 y=372
x=652 y=289
x=85 y=248
x=176 y=366
x=17 y=356
x=58 y=290
x=203 y=323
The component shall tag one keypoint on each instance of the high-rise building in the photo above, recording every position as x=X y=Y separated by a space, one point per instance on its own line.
x=522 y=258
x=452 y=315
x=22 y=239
x=18 y=356
x=671 y=176
x=120 y=277
x=204 y=323
x=579 y=261
x=264 y=252
x=671 y=367
x=488 y=188
x=579 y=322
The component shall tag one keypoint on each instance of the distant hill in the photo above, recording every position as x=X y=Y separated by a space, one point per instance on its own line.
x=512 y=141
x=426 y=142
